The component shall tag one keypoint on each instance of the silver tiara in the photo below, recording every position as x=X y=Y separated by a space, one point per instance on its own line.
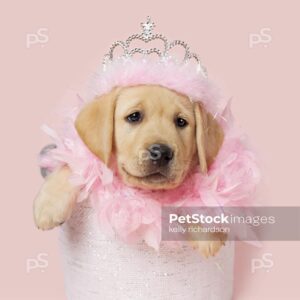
x=148 y=36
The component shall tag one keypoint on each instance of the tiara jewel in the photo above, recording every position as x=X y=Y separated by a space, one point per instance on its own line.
x=147 y=36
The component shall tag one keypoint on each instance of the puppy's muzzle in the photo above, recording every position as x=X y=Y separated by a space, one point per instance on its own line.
x=160 y=154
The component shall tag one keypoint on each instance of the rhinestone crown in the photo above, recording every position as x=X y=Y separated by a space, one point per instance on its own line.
x=163 y=55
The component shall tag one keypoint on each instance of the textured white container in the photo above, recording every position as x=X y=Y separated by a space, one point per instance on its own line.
x=100 y=269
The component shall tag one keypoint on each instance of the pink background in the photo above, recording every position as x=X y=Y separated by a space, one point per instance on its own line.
x=263 y=81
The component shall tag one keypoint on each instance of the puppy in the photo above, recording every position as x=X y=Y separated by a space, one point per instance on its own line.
x=156 y=137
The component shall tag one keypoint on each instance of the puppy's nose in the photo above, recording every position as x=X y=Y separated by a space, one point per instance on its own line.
x=160 y=154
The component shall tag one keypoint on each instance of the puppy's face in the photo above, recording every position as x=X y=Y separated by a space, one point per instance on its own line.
x=156 y=134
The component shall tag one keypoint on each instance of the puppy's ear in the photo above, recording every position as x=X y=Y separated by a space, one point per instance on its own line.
x=209 y=137
x=95 y=125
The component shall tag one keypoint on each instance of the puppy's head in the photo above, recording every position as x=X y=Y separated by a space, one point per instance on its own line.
x=156 y=134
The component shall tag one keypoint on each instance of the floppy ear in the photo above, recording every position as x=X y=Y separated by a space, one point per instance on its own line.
x=95 y=125
x=209 y=137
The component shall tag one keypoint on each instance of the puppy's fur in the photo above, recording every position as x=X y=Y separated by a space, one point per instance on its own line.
x=105 y=128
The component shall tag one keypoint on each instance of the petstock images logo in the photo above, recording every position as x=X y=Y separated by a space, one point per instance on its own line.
x=238 y=223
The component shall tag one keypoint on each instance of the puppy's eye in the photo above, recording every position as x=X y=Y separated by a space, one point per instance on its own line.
x=134 y=117
x=180 y=122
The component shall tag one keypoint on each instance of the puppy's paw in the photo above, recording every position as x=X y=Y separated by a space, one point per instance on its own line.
x=54 y=203
x=51 y=211
x=211 y=246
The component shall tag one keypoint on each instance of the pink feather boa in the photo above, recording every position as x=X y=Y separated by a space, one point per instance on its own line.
x=133 y=214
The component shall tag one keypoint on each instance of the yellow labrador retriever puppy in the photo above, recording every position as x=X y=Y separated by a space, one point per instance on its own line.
x=156 y=136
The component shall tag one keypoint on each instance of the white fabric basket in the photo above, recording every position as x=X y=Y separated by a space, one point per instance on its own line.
x=97 y=268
